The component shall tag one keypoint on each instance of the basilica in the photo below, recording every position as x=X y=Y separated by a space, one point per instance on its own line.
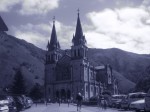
x=70 y=72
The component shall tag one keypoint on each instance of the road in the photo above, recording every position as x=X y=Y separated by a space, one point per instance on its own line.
x=65 y=108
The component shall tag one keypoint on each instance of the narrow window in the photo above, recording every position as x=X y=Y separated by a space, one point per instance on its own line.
x=86 y=88
x=78 y=52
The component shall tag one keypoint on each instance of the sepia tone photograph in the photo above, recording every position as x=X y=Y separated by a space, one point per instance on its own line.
x=74 y=55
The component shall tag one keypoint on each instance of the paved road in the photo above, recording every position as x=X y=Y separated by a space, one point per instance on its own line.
x=65 y=108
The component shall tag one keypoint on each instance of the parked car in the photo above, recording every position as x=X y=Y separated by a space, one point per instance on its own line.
x=29 y=102
x=147 y=102
x=125 y=104
x=116 y=100
x=138 y=105
x=93 y=100
x=20 y=105
x=11 y=104
x=3 y=103
x=25 y=101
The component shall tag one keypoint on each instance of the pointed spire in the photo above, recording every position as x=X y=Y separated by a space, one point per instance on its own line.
x=78 y=32
x=54 y=44
x=78 y=12
x=47 y=45
x=53 y=20
x=78 y=38
x=73 y=39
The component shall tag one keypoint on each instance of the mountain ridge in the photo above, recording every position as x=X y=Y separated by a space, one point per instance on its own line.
x=15 y=53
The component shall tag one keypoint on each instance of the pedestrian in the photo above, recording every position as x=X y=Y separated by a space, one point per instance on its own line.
x=102 y=103
x=99 y=101
x=36 y=102
x=105 y=104
x=59 y=101
x=46 y=102
x=68 y=102
x=79 y=99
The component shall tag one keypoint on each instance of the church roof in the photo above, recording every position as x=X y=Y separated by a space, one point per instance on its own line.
x=3 y=26
x=65 y=60
x=79 y=38
x=54 y=43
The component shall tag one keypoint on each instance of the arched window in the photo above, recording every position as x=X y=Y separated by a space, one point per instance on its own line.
x=75 y=53
x=49 y=91
x=78 y=52
x=49 y=57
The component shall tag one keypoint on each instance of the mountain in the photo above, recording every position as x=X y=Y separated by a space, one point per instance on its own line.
x=130 y=65
x=15 y=53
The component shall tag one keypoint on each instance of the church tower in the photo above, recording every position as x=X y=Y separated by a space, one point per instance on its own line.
x=52 y=56
x=79 y=64
x=53 y=47
x=79 y=48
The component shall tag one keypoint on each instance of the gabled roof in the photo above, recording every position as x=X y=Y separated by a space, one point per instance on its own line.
x=3 y=26
x=65 y=60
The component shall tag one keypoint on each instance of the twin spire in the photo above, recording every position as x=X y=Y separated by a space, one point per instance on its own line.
x=78 y=39
x=54 y=43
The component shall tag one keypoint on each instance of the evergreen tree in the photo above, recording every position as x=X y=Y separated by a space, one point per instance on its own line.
x=36 y=92
x=18 y=87
x=143 y=85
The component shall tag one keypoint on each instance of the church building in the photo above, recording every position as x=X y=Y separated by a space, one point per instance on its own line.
x=66 y=74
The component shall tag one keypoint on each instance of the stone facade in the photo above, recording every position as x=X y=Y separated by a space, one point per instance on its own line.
x=67 y=73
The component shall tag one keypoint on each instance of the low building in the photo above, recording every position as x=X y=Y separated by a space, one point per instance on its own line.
x=104 y=74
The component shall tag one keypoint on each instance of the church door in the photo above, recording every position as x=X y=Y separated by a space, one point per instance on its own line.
x=63 y=94
x=68 y=94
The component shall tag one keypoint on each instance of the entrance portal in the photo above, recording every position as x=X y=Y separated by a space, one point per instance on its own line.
x=57 y=94
x=68 y=94
x=63 y=94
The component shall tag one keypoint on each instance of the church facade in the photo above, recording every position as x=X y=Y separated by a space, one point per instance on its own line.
x=66 y=74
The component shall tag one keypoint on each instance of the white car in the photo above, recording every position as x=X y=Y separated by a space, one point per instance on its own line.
x=4 y=108
x=147 y=102
x=132 y=97
x=138 y=105
x=3 y=104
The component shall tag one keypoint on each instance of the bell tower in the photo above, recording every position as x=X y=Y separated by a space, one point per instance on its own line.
x=79 y=63
x=53 y=54
x=79 y=48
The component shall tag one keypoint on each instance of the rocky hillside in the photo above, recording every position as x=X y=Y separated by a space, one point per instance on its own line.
x=130 y=65
x=15 y=53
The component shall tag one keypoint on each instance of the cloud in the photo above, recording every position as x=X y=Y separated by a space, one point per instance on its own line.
x=126 y=28
x=39 y=34
x=30 y=7
x=7 y=5
x=146 y=2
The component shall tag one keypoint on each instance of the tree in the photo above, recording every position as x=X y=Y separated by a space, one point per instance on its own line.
x=36 y=92
x=18 y=87
x=143 y=84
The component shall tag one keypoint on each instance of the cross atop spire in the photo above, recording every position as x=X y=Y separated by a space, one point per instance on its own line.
x=54 y=20
x=78 y=12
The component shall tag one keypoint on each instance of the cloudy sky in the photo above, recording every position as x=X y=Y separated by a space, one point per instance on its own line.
x=123 y=24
